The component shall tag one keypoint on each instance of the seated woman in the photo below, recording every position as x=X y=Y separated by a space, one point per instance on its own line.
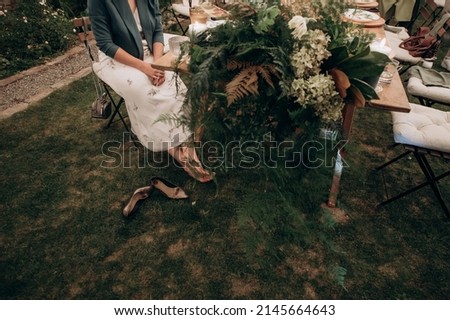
x=129 y=35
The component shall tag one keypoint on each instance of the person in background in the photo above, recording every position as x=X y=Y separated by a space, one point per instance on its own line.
x=129 y=36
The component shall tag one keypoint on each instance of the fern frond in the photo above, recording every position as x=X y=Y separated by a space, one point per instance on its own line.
x=233 y=64
x=267 y=71
x=169 y=118
x=244 y=84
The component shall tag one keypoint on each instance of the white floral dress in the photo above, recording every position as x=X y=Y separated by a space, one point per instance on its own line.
x=145 y=102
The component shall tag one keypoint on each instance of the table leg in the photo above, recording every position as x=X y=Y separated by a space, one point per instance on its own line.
x=348 y=113
x=334 y=189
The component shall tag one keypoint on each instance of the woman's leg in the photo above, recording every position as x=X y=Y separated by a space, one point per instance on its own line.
x=146 y=104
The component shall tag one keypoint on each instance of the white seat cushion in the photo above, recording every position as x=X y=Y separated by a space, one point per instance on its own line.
x=423 y=127
x=393 y=40
x=416 y=88
x=439 y=3
x=183 y=8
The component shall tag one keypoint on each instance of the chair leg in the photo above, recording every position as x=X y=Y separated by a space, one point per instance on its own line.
x=116 y=109
x=183 y=30
x=393 y=160
x=432 y=180
x=117 y=112
x=382 y=173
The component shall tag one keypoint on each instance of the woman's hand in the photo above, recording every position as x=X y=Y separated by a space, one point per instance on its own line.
x=158 y=79
x=156 y=76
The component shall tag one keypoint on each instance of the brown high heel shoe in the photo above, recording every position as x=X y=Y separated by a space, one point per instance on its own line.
x=136 y=199
x=168 y=188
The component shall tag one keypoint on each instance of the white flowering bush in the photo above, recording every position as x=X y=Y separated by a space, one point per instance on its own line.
x=31 y=33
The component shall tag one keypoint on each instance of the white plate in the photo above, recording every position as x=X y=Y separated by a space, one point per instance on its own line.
x=359 y=15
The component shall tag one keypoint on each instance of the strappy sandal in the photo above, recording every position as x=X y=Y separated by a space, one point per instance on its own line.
x=167 y=188
x=191 y=165
x=136 y=199
x=191 y=168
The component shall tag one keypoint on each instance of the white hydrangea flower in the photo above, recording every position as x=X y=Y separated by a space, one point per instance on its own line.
x=319 y=93
x=310 y=53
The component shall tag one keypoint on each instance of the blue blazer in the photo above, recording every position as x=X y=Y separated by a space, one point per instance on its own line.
x=114 y=26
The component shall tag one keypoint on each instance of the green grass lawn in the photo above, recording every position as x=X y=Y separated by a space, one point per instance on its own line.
x=245 y=237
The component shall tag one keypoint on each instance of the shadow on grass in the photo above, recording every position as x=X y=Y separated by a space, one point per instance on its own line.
x=63 y=237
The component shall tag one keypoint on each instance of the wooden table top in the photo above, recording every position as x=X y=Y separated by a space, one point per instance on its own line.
x=393 y=97
x=167 y=63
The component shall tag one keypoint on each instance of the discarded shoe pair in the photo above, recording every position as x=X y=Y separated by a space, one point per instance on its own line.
x=167 y=188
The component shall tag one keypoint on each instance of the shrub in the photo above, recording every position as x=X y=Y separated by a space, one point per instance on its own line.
x=72 y=8
x=31 y=33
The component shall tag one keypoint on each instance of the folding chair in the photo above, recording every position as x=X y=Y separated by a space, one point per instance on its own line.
x=395 y=35
x=82 y=27
x=427 y=93
x=181 y=8
x=431 y=10
x=423 y=132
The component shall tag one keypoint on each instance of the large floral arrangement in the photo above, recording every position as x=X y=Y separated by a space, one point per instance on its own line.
x=283 y=70
x=265 y=82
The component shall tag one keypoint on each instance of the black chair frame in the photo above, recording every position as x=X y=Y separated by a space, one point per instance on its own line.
x=82 y=28
x=429 y=102
x=177 y=19
x=431 y=179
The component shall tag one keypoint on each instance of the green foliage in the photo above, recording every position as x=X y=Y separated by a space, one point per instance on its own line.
x=339 y=273
x=31 y=33
x=72 y=8
x=253 y=49
x=266 y=19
